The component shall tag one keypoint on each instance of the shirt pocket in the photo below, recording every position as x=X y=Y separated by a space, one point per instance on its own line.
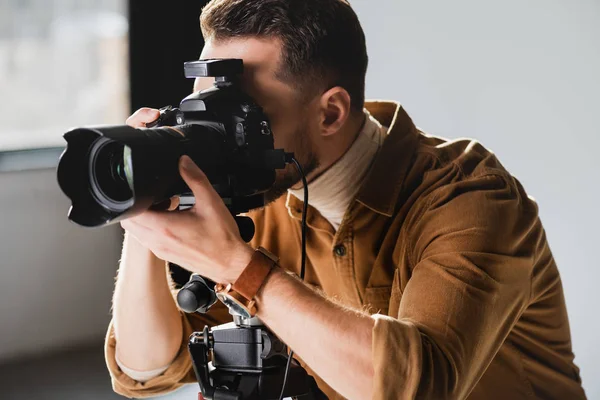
x=377 y=299
x=383 y=299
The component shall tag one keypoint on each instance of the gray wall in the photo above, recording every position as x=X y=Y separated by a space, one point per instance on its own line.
x=523 y=77
x=55 y=278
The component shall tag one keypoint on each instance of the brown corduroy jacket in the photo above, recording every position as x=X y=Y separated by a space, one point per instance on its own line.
x=446 y=250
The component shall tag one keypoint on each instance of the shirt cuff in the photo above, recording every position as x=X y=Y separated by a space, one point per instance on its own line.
x=178 y=373
x=140 y=376
x=396 y=358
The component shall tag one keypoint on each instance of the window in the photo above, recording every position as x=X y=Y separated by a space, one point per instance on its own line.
x=63 y=63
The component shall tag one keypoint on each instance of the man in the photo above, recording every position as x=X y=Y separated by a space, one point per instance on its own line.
x=428 y=272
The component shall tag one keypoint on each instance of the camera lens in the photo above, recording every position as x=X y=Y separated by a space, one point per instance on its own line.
x=111 y=177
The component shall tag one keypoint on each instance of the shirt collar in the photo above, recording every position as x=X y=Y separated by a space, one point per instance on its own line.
x=384 y=182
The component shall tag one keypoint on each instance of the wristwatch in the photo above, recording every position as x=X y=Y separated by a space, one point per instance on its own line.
x=239 y=297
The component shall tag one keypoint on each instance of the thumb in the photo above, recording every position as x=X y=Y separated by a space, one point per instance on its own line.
x=197 y=181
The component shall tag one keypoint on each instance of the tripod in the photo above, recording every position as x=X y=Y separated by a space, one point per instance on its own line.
x=248 y=363
x=248 y=360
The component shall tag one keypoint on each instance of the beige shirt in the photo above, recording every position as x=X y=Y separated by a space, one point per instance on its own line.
x=446 y=249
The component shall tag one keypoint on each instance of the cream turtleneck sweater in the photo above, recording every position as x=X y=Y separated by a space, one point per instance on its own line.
x=332 y=192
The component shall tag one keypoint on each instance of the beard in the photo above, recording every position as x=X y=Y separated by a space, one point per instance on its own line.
x=290 y=176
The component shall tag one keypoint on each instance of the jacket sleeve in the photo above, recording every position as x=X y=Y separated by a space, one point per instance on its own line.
x=472 y=251
x=178 y=373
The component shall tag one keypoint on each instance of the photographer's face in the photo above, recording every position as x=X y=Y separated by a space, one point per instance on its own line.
x=294 y=119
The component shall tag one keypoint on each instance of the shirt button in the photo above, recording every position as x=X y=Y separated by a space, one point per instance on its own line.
x=340 y=250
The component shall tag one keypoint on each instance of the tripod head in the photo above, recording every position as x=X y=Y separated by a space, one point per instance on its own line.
x=243 y=359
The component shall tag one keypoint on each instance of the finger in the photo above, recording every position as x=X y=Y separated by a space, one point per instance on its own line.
x=174 y=203
x=160 y=221
x=168 y=204
x=143 y=116
x=198 y=182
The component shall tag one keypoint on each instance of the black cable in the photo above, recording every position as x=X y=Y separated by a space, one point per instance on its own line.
x=304 y=212
x=303 y=262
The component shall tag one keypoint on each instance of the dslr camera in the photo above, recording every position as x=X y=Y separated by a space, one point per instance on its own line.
x=111 y=173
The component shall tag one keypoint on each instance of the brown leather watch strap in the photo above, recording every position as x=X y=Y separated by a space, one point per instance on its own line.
x=254 y=275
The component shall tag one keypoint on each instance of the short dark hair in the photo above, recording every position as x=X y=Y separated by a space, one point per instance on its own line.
x=323 y=44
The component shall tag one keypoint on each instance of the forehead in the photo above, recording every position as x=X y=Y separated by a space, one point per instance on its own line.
x=261 y=58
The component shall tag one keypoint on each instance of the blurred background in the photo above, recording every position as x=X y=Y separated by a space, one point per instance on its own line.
x=521 y=77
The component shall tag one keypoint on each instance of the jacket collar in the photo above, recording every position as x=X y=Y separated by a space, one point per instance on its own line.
x=385 y=180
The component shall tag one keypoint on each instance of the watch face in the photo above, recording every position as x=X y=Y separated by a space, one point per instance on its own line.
x=234 y=305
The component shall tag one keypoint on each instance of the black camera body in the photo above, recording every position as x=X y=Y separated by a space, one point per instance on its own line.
x=112 y=173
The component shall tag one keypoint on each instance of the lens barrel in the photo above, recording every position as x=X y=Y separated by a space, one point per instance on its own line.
x=114 y=172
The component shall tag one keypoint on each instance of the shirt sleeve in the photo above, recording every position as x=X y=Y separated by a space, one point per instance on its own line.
x=175 y=376
x=140 y=376
x=473 y=250
x=178 y=373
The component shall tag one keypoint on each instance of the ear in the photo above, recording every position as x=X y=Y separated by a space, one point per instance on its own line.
x=335 y=108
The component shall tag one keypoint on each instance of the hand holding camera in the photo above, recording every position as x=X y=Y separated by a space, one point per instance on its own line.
x=203 y=239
